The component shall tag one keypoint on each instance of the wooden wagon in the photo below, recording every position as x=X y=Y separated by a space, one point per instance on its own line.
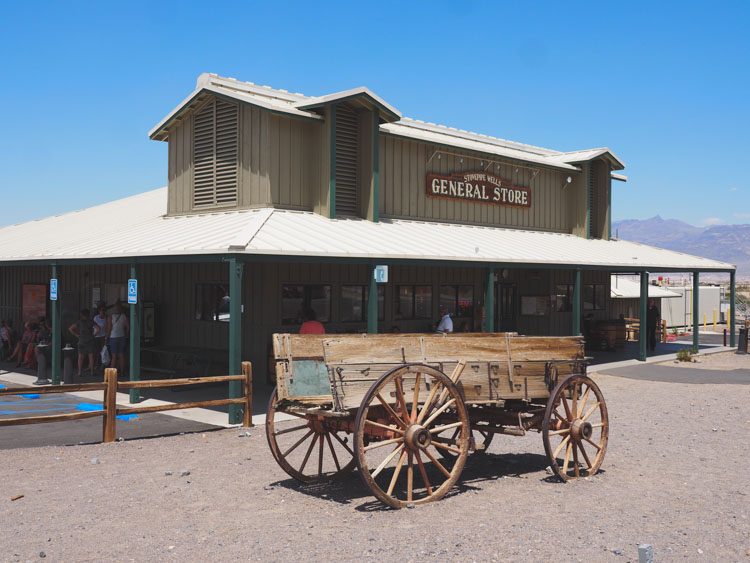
x=407 y=409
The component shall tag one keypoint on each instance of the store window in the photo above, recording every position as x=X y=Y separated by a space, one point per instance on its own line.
x=594 y=297
x=212 y=302
x=564 y=298
x=296 y=298
x=458 y=300
x=413 y=302
x=354 y=303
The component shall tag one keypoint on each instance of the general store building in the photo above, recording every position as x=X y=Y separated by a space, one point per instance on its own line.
x=277 y=202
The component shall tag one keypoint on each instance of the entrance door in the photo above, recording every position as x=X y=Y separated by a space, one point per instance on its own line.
x=506 y=313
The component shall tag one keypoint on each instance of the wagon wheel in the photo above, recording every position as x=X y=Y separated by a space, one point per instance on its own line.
x=308 y=448
x=575 y=428
x=397 y=421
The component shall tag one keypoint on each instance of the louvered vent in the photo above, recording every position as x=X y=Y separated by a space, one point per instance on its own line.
x=347 y=133
x=598 y=197
x=594 y=231
x=215 y=150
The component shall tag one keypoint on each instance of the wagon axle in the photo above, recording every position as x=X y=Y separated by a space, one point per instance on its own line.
x=417 y=437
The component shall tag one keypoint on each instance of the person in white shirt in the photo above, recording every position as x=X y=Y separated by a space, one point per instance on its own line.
x=445 y=326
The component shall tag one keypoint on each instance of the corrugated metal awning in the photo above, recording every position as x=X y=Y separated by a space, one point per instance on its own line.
x=137 y=226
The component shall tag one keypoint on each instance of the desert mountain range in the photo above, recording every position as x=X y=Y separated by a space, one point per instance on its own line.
x=728 y=243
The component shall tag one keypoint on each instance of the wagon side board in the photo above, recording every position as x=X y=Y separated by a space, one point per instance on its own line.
x=338 y=370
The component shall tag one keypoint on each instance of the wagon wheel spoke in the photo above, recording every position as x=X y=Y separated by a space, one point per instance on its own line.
x=307 y=455
x=415 y=399
x=585 y=455
x=424 y=474
x=585 y=422
x=333 y=452
x=292 y=445
x=383 y=435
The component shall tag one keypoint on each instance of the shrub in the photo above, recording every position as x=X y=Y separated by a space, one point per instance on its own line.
x=684 y=355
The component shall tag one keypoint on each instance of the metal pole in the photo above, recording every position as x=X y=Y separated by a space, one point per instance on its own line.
x=732 y=297
x=56 y=331
x=696 y=318
x=372 y=304
x=576 y=328
x=644 y=314
x=235 y=337
x=489 y=302
x=135 y=341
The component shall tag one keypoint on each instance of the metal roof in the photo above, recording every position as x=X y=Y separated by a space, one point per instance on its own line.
x=294 y=104
x=622 y=288
x=138 y=227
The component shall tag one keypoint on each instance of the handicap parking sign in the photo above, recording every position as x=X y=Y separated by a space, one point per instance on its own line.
x=132 y=292
x=381 y=274
x=53 y=289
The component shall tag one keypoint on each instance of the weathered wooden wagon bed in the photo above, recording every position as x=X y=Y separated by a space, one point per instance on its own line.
x=415 y=405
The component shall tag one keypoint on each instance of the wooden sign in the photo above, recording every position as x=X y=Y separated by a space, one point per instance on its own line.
x=478 y=187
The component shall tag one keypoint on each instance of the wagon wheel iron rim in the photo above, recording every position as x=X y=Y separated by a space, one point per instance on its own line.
x=308 y=450
x=575 y=429
x=405 y=413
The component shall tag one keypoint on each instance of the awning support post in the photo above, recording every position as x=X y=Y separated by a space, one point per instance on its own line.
x=576 y=320
x=642 y=330
x=135 y=340
x=732 y=297
x=235 y=337
x=696 y=316
x=56 y=331
x=489 y=302
x=372 y=303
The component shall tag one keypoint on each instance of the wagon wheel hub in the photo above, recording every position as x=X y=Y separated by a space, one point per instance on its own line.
x=417 y=437
x=581 y=430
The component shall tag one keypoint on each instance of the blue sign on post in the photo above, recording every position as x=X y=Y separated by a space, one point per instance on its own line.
x=132 y=292
x=381 y=274
x=53 y=289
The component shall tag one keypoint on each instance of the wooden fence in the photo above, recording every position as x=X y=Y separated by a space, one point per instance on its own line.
x=110 y=386
x=633 y=326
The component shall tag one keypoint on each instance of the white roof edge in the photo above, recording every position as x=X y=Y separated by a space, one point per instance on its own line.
x=462 y=134
x=210 y=78
x=588 y=154
x=619 y=177
x=290 y=109
x=487 y=148
x=328 y=98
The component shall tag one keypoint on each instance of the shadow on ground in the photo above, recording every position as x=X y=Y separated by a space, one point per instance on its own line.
x=480 y=470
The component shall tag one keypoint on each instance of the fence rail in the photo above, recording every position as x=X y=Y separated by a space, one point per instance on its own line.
x=111 y=386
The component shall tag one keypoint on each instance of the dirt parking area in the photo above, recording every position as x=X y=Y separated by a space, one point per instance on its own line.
x=675 y=476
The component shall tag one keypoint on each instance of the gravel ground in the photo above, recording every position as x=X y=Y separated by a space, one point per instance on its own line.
x=675 y=476
x=725 y=361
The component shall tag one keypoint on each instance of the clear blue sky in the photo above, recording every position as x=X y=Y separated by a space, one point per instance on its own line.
x=664 y=85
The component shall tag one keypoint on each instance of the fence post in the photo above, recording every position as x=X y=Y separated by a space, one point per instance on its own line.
x=247 y=371
x=110 y=404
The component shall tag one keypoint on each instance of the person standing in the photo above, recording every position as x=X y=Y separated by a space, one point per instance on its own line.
x=445 y=326
x=100 y=320
x=84 y=330
x=652 y=320
x=118 y=331
x=311 y=325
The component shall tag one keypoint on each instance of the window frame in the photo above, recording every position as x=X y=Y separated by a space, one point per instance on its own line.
x=364 y=305
x=212 y=284
x=397 y=302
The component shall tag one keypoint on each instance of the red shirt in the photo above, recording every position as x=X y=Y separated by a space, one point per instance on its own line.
x=312 y=327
